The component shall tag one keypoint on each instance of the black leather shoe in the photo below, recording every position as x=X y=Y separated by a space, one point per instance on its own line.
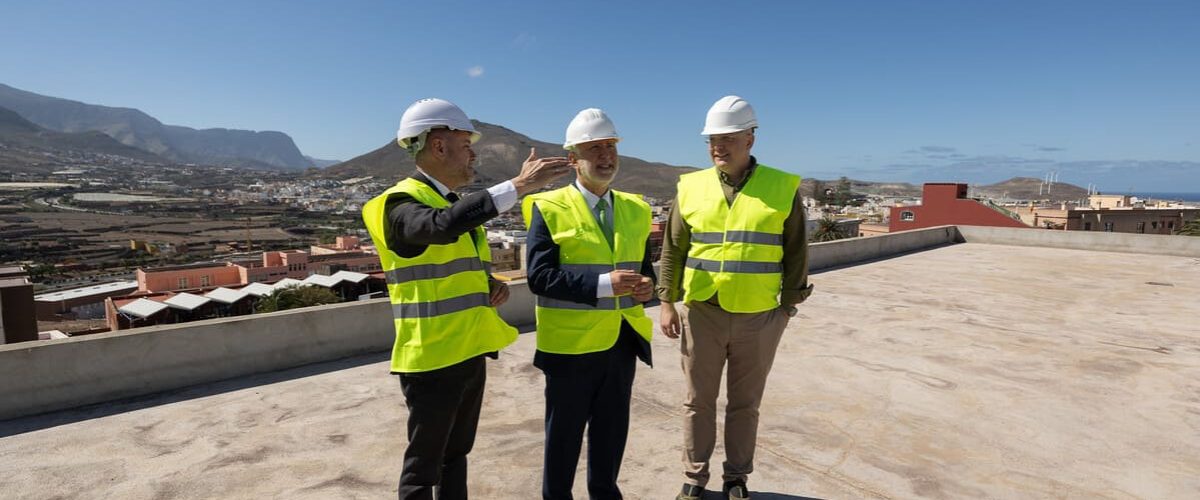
x=690 y=492
x=735 y=490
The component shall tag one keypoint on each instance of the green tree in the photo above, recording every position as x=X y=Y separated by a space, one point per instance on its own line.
x=296 y=296
x=828 y=230
x=842 y=194
x=40 y=273
x=819 y=193
x=1190 y=228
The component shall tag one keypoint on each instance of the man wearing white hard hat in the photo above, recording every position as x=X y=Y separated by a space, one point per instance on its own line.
x=589 y=265
x=735 y=252
x=435 y=255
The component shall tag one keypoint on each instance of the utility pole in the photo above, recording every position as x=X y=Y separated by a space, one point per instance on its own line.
x=249 y=241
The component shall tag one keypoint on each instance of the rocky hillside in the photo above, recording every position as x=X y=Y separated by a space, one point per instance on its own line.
x=1026 y=188
x=24 y=145
x=132 y=127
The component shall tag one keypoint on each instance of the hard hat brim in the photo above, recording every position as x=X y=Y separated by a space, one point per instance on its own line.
x=727 y=130
x=569 y=145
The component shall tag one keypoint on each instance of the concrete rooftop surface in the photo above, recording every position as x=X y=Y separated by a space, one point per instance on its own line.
x=965 y=371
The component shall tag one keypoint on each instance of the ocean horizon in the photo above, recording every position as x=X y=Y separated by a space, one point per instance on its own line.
x=1169 y=196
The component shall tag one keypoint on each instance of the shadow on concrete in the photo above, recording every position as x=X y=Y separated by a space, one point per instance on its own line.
x=779 y=496
x=757 y=495
x=42 y=421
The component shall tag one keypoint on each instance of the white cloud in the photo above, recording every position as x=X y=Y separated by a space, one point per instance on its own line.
x=475 y=71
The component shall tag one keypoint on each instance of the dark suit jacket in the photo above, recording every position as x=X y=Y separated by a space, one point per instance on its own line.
x=412 y=226
x=548 y=279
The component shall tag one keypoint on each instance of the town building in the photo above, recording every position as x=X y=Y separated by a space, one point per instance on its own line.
x=17 y=320
x=344 y=255
x=947 y=204
x=1110 y=213
x=80 y=303
x=175 y=306
x=873 y=229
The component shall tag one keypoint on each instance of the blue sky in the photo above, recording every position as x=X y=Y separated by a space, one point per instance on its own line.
x=976 y=91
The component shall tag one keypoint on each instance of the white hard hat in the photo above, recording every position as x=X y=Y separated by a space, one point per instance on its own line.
x=428 y=114
x=590 y=125
x=728 y=115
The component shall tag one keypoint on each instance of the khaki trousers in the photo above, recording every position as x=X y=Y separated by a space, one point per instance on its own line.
x=747 y=342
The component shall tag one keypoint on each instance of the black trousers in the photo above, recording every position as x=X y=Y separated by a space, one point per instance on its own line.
x=593 y=391
x=443 y=413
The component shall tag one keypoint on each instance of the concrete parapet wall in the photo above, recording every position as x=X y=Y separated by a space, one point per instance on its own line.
x=38 y=377
x=1154 y=244
x=849 y=251
x=518 y=311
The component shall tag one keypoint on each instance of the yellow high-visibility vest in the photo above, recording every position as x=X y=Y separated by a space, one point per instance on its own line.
x=566 y=327
x=736 y=250
x=440 y=298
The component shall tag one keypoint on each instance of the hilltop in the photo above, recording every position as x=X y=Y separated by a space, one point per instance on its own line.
x=1027 y=188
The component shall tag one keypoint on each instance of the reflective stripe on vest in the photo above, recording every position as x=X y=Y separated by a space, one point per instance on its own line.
x=440 y=301
x=739 y=236
x=441 y=307
x=567 y=327
x=600 y=268
x=734 y=266
x=605 y=303
x=433 y=271
x=736 y=249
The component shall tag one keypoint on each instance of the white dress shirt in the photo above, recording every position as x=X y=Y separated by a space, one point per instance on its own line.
x=504 y=194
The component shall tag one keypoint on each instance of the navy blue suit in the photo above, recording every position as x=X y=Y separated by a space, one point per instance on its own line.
x=592 y=389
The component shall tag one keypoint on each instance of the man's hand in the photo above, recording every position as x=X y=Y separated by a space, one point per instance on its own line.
x=499 y=292
x=644 y=290
x=624 y=281
x=536 y=172
x=668 y=321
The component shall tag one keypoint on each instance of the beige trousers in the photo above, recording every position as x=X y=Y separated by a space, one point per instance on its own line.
x=747 y=342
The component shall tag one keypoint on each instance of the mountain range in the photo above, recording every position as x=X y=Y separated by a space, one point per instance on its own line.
x=131 y=127
x=23 y=143
x=31 y=124
x=500 y=154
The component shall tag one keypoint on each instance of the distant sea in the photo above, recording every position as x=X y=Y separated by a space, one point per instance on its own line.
x=1167 y=196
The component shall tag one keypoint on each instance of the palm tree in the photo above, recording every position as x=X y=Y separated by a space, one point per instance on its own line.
x=1190 y=228
x=828 y=230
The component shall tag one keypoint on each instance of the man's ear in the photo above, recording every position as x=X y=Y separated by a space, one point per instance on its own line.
x=436 y=144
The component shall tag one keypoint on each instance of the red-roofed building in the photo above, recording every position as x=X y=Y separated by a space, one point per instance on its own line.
x=947 y=204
